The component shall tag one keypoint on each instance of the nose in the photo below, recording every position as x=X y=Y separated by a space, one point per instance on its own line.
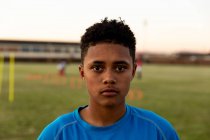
x=109 y=81
x=109 y=78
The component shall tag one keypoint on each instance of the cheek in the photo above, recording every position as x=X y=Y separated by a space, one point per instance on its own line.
x=125 y=78
x=125 y=81
x=91 y=83
x=125 y=85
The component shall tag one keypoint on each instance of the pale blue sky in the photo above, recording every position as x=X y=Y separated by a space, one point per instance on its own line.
x=172 y=25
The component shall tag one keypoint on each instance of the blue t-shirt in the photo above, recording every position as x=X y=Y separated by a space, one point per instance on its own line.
x=136 y=124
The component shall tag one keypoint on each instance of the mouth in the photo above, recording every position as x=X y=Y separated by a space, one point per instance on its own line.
x=109 y=92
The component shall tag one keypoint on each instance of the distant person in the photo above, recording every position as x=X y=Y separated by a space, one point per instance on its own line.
x=139 y=67
x=108 y=67
x=61 y=68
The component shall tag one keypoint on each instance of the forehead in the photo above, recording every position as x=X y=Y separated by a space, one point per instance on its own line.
x=108 y=53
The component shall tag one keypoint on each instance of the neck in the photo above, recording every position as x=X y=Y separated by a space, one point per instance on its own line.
x=102 y=116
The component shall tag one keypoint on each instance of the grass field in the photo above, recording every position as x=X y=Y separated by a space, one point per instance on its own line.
x=181 y=94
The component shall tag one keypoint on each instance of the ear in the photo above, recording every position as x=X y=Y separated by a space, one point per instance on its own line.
x=134 y=70
x=81 y=71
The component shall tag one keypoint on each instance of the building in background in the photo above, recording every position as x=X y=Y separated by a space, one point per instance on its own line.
x=191 y=58
x=52 y=51
x=40 y=51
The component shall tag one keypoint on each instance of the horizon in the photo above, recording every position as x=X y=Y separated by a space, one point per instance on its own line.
x=137 y=51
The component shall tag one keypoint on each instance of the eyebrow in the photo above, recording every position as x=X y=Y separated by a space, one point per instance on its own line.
x=98 y=62
x=121 y=62
x=116 y=62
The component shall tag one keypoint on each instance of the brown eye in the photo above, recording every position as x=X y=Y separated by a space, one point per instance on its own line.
x=120 y=68
x=97 y=68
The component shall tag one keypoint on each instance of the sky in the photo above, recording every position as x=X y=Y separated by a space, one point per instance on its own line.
x=160 y=26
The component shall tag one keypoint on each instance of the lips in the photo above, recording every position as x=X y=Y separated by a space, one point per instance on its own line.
x=109 y=92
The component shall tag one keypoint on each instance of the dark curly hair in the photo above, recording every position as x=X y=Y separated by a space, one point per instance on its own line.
x=110 y=31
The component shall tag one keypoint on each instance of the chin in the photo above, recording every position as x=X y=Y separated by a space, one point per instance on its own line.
x=110 y=104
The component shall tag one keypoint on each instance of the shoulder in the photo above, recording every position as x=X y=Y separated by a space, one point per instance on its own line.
x=148 y=116
x=163 y=126
x=55 y=127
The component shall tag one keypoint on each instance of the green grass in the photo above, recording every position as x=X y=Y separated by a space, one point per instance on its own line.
x=181 y=94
